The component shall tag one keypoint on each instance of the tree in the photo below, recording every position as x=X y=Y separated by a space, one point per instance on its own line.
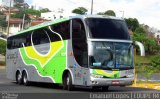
x=33 y=12
x=44 y=10
x=22 y=11
x=132 y=23
x=20 y=1
x=110 y=13
x=100 y=13
x=149 y=42
x=155 y=62
x=2 y=47
x=140 y=29
x=3 y=22
x=80 y=10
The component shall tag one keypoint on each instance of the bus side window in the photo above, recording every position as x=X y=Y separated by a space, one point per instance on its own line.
x=79 y=42
x=9 y=43
x=63 y=29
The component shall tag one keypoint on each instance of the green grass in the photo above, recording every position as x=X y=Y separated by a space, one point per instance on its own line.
x=143 y=59
x=142 y=82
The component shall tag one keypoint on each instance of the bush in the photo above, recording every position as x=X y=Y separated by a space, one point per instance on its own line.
x=155 y=62
x=2 y=63
x=2 y=47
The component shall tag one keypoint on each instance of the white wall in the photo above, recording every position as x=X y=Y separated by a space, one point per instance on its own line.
x=55 y=15
x=156 y=34
x=14 y=29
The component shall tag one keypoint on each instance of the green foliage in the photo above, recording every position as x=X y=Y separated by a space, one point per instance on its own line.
x=20 y=15
x=155 y=62
x=3 y=22
x=2 y=63
x=80 y=10
x=100 y=13
x=148 y=71
x=33 y=12
x=132 y=23
x=150 y=43
x=108 y=12
x=2 y=47
x=25 y=12
x=140 y=29
x=45 y=10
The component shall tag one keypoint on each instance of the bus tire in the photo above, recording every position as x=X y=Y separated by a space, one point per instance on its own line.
x=25 y=79
x=67 y=82
x=18 y=78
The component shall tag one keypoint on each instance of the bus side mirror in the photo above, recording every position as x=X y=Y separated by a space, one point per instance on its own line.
x=141 y=47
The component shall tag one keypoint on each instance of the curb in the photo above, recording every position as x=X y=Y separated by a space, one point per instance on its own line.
x=148 y=86
x=157 y=87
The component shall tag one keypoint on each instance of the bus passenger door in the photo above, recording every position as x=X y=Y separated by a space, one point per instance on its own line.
x=80 y=53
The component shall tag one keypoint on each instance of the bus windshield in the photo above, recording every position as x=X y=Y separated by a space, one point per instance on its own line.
x=102 y=28
x=109 y=55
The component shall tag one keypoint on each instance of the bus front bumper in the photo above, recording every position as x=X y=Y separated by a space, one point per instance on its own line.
x=111 y=82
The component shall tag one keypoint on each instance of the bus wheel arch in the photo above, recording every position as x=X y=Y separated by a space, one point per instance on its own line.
x=67 y=80
x=18 y=77
x=25 y=78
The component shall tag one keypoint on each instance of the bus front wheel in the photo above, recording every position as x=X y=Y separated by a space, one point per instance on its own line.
x=67 y=82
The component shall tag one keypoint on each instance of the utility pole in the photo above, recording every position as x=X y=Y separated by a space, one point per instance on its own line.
x=92 y=7
x=23 y=21
x=9 y=18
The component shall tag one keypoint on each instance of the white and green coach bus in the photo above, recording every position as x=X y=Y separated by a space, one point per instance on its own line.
x=89 y=50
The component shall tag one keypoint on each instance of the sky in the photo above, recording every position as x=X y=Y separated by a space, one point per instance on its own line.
x=146 y=11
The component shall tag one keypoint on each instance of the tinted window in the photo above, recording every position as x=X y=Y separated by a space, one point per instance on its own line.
x=63 y=29
x=17 y=41
x=79 y=42
x=107 y=28
x=40 y=36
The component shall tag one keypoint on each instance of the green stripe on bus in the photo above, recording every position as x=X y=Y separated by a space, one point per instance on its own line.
x=54 y=68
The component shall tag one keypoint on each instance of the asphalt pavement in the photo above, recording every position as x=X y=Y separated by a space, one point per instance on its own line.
x=9 y=86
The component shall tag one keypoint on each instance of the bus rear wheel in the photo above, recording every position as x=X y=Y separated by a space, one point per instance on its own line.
x=25 y=79
x=18 y=78
x=67 y=82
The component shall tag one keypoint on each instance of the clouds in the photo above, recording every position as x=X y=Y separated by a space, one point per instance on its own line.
x=146 y=11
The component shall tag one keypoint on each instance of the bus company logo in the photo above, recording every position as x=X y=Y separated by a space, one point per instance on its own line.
x=13 y=57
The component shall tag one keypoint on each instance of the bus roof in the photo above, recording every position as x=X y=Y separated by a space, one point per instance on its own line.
x=65 y=19
x=96 y=16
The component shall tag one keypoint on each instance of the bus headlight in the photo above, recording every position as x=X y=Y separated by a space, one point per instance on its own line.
x=96 y=76
x=129 y=73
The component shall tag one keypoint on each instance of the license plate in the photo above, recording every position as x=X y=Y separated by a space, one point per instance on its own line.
x=115 y=82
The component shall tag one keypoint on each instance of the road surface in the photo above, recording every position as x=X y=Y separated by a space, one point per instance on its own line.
x=45 y=89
